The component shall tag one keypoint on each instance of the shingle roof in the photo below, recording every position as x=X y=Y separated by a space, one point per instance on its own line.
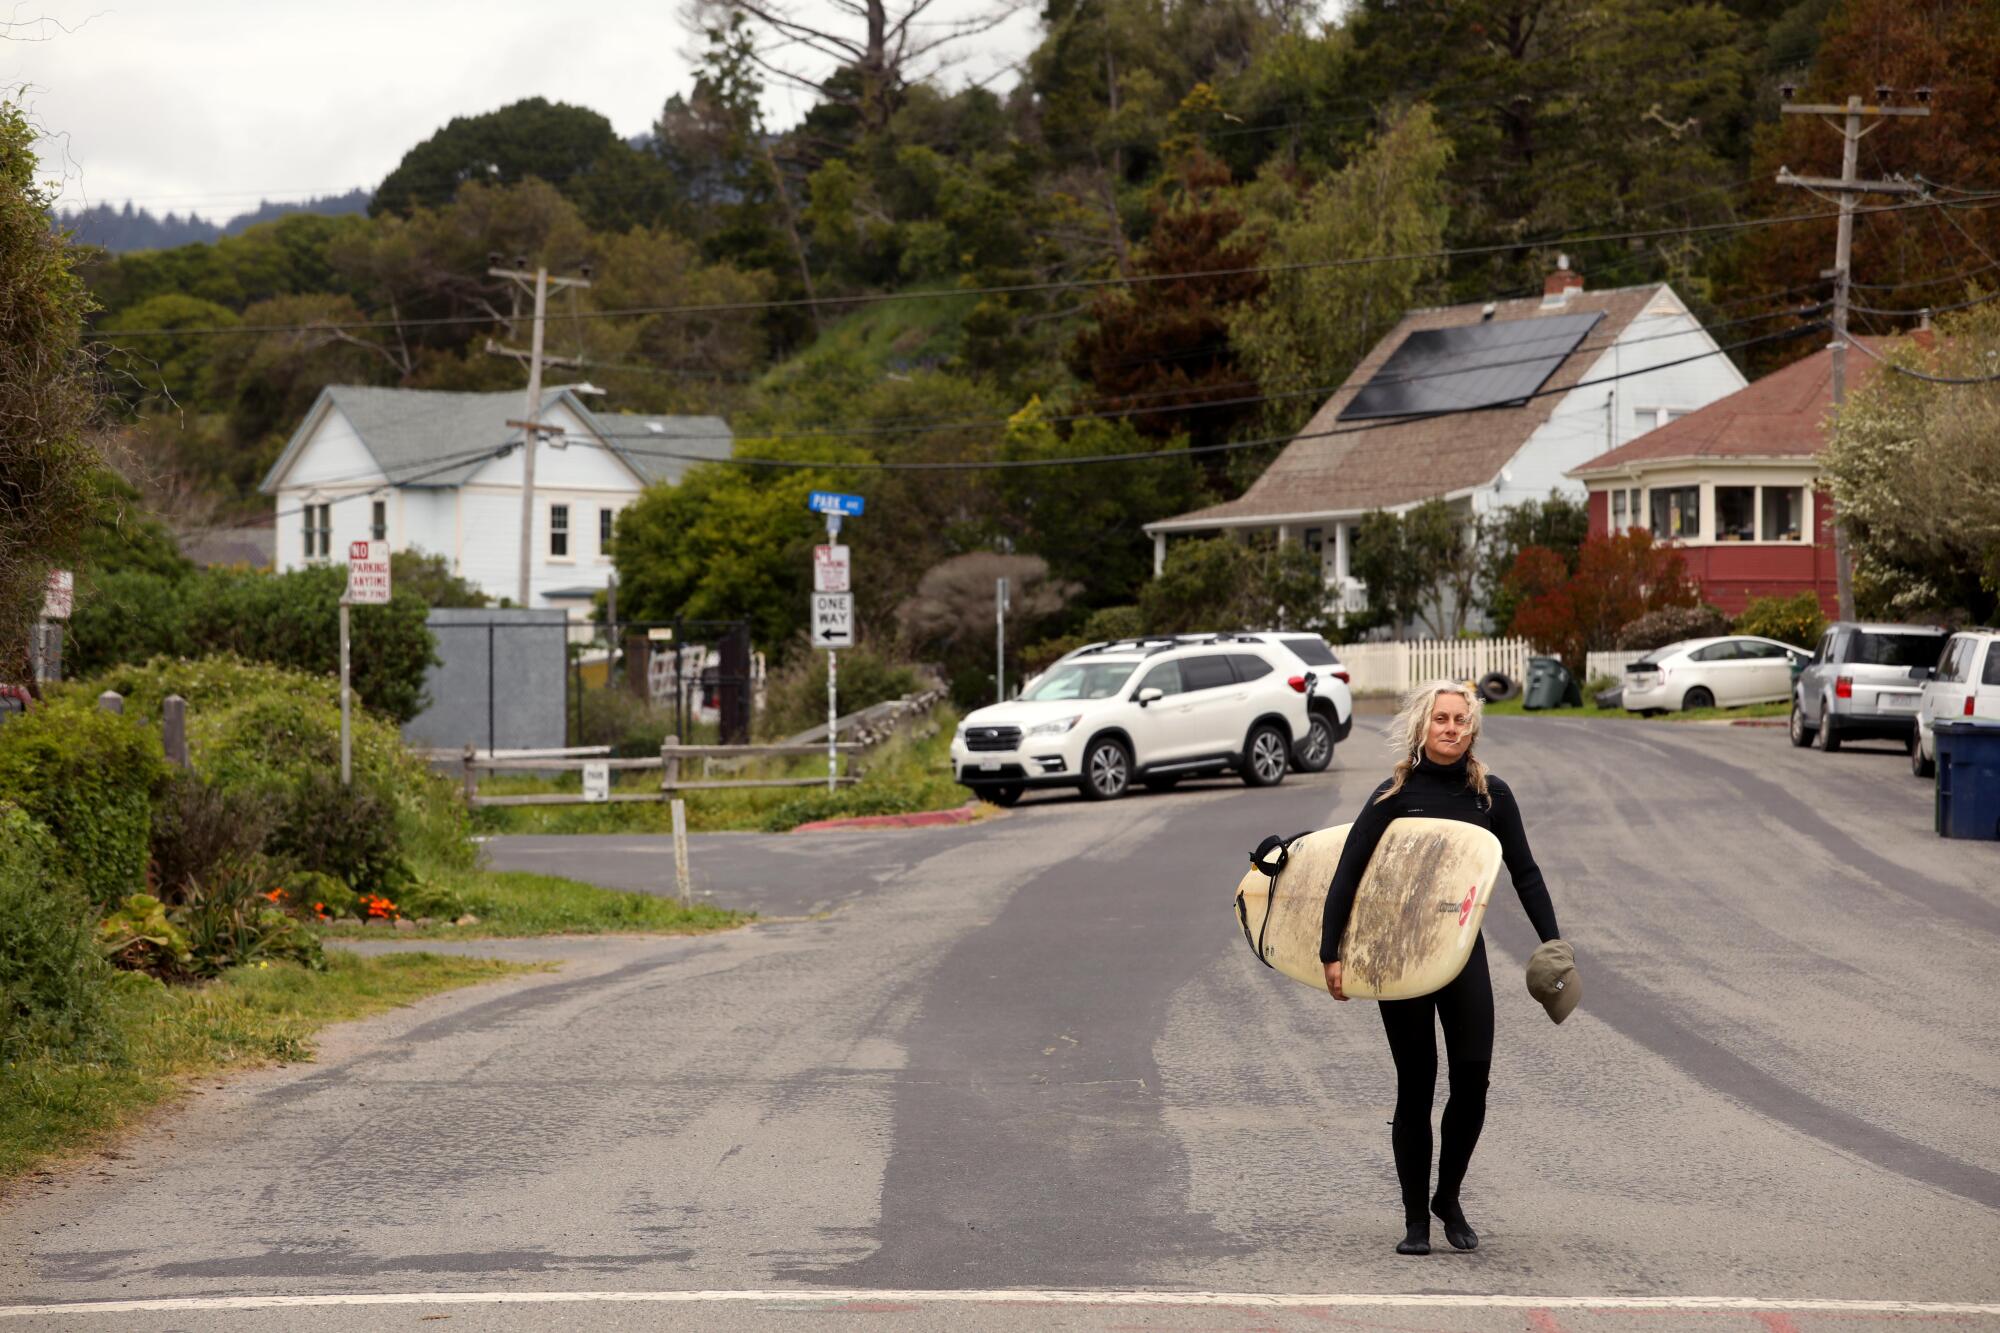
x=1782 y=415
x=430 y=437
x=1332 y=467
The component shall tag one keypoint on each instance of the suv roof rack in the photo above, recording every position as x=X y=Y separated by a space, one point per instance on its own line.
x=1150 y=644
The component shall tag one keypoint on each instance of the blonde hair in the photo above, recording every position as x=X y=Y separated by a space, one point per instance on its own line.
x=1412 y=724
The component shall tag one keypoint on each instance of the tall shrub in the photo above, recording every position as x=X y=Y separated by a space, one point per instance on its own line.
x=291 y=619
x=1794 y=620
x=1617 y=579
x=87 y=776
x=53 y=982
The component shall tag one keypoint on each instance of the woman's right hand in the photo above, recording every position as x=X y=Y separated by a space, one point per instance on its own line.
x=1333 y=980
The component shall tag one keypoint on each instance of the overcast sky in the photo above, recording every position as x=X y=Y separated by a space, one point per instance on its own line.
x=211 y=105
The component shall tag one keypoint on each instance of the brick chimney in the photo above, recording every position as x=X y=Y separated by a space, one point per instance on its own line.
x=1557 y=287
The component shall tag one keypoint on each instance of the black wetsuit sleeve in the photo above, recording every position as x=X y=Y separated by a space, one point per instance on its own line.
x=1360 y=845
x=1528 y=882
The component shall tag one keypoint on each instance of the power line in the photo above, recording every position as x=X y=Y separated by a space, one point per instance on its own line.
x=1927 y=378
x=1069 y=284
x=917 y=426
x=1155 y=454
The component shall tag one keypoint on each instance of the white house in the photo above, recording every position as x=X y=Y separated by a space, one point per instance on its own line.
x=1554 y=380
x=431 y=471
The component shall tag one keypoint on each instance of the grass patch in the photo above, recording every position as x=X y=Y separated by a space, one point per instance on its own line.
x=249 y=1016
x=513 y=903
x=886 y=335
x=1512 y=708
x=909 y=772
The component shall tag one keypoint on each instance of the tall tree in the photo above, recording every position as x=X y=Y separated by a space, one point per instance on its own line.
x=45 y=397
x=1314 y=321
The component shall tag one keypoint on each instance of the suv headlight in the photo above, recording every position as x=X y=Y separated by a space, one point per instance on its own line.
x=1055 y=728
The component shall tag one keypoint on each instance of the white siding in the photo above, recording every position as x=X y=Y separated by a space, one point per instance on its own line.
x=1592 y=420
x=347 y=509
x=333 y=456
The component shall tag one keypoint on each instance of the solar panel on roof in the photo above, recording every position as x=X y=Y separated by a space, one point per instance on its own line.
x=1496 y=364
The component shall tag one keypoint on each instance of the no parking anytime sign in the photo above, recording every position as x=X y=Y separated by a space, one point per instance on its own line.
x=368 y=573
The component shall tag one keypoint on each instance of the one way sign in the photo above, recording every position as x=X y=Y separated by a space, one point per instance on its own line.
x=833 y=620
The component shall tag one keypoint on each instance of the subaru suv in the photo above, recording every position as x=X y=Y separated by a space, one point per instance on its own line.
x=1150 y=710
x=1863 y=680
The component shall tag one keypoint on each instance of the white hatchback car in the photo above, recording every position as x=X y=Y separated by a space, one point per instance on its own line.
x=1965 y=684
x=1147 y=710
x=1712 y=673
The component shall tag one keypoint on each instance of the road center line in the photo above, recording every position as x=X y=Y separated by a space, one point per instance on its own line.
x=1005 y=1296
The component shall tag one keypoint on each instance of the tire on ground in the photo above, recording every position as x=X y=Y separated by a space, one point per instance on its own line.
x=1495 y=686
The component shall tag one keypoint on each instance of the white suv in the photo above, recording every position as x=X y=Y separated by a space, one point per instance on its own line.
x=1964 y=684
x=1151 y=710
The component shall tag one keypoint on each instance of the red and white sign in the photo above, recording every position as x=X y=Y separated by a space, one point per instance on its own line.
x=59 y=598
x=368 y=573
x=831 y=569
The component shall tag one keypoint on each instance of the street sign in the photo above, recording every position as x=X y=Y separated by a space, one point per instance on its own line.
x=833 y=620
x=596 y=780
x=368 y=573
x=830 y=502
x=830 y=569
x=59 y=597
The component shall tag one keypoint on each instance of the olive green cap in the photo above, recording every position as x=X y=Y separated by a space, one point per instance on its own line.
x=1552 y=978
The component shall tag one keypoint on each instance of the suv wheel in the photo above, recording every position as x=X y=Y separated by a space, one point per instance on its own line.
x=1003 y=796
x=1801 y=734
x=1107 y=770
x=1315 y=751
x=1828 y=736
x=1265 y=756
x=1920 y=766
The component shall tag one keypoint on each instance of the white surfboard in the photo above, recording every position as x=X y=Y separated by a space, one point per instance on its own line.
x=1415 y=916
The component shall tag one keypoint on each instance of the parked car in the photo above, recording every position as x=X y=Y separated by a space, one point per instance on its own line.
x=1329 y=700
x=1864 y=679
x=1150 y=710
x=1965 y=683
x=1725 y=672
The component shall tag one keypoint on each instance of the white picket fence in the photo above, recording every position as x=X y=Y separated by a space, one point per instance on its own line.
x=1610 y=664
x=1389 y=668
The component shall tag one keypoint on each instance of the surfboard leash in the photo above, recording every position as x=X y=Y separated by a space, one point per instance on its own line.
x=1263 y=859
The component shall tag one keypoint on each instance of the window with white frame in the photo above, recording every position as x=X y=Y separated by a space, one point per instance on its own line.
x=606 y=518
x=378 y=521
x=1619 y=519
x=1781 y=511
x=1652 y=418
x=558 y=532
x=1676 y=512
x=1735 y=513
x=318 y=530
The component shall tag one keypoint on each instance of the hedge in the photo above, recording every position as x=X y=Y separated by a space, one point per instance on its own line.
x=53 y=981
x=88 y=777
x=290 y=619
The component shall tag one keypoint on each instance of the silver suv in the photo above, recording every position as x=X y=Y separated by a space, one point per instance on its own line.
x=1864 y=680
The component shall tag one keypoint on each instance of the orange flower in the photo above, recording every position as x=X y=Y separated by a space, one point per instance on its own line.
x=276 y=895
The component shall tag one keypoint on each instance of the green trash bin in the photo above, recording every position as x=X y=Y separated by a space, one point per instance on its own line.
x=1550 y=685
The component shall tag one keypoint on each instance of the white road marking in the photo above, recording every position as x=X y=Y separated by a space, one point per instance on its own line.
x=1004 y=1296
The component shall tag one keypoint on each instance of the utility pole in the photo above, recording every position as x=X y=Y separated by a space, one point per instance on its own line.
x=1000 y=640
x=531 y=432
x=1849 y=188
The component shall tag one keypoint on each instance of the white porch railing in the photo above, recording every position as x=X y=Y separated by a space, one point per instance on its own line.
x=1388 y=668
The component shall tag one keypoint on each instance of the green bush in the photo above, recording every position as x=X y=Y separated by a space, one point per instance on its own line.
x=290 y=619
x=88 y=777
x=631 y=726
x=1671 y=624
x=842 y=804
x=139 y=936
x=346 y=831
x=260 y=730
x=53 y=983
x=795 y=697
x=323 y=895
x=236 y=921
x=1794 y=620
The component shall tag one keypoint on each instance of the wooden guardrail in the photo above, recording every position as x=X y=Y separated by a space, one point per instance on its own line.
x=870 y=729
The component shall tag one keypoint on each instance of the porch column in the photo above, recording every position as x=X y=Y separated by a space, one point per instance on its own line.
x=1159 y=553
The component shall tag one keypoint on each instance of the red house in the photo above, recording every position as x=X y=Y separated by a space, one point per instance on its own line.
x=1735 y=485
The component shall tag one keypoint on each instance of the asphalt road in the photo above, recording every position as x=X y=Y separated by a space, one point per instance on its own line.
x=962 y=1074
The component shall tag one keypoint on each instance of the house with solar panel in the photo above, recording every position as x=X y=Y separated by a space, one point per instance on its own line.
x=1483 y=406
x=441 y=473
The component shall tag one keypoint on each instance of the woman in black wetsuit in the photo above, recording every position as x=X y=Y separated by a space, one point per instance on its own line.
x=1436 y=776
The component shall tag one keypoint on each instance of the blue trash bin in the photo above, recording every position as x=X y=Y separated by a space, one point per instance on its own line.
x=1968 y=780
